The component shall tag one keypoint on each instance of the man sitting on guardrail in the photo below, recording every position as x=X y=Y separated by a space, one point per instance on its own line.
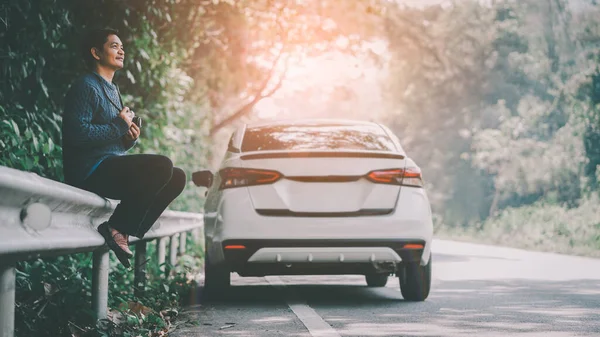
x=97 y=132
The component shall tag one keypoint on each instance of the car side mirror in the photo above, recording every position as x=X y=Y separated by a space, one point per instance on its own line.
x=203 y=178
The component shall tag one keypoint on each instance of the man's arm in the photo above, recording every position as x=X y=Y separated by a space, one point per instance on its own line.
x=80 y=104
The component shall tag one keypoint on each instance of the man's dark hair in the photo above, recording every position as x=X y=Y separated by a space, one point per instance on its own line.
x=94 y=38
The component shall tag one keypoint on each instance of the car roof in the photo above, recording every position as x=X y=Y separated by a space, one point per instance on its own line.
x=310 y=121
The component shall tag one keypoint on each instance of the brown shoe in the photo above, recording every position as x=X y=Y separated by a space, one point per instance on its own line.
x=105 y=230
x=122 y=241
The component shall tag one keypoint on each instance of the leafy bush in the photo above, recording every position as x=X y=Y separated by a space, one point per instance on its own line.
x=53 y=296
x=542 y=226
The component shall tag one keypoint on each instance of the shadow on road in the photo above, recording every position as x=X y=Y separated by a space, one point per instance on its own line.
x=454 y=308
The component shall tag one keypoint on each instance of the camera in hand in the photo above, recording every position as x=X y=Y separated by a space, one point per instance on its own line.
x=137 y=121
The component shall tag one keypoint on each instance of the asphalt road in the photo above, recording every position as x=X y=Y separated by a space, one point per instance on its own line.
x=477 y=290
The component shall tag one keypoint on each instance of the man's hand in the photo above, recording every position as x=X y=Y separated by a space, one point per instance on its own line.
x=126 y=114
x=133 y=133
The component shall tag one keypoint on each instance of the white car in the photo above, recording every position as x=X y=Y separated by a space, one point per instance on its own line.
x=311 y=197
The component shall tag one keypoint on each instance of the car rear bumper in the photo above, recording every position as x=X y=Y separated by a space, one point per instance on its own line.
x=324 y=255
x=284 y=257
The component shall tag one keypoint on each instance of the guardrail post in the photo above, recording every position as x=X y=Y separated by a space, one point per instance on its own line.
x=196 y=235
x=182 y=242
x=161 y=247
x=100 y=283
x=139 y=279
x=173 y=250
x=7 y=300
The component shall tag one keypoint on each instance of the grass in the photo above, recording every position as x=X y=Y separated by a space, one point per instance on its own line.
x=540 y=227
x=53 y=296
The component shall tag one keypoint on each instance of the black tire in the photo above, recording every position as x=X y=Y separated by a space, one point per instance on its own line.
x=376 y=280
x=216 y=278
x=415 y=281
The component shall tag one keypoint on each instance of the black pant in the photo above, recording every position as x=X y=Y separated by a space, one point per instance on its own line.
x=145 y=183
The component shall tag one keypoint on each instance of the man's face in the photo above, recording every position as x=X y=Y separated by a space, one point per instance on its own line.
x=112 y=54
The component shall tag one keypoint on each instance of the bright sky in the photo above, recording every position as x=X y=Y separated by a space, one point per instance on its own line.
x=327 y=72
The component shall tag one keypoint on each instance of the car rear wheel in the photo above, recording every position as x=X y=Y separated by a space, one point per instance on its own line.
x=216 y=278
x=376 y=280
x=415 y=281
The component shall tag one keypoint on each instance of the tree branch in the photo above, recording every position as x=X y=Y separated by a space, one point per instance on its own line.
x=247 y=108
x=275 y=88
x=402 y=24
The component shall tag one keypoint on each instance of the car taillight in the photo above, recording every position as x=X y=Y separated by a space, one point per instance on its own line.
x=410 y=176
x=239 y=177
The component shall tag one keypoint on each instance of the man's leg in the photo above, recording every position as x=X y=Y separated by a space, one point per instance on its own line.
x=133 y=179
x=162 y=200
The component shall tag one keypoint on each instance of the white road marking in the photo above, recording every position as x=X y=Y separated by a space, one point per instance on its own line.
x=316 y=326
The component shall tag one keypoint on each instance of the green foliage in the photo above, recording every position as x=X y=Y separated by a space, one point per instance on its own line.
x=497 y=103
x=441 y=62
x=548 y=166
x=591 y=135
x=33 y=82
x=53 y=296
x=541 y=226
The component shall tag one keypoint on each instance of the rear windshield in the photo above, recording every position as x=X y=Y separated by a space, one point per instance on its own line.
x=317 y=137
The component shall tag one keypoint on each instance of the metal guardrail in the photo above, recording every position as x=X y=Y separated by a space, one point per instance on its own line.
x=41 y=217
